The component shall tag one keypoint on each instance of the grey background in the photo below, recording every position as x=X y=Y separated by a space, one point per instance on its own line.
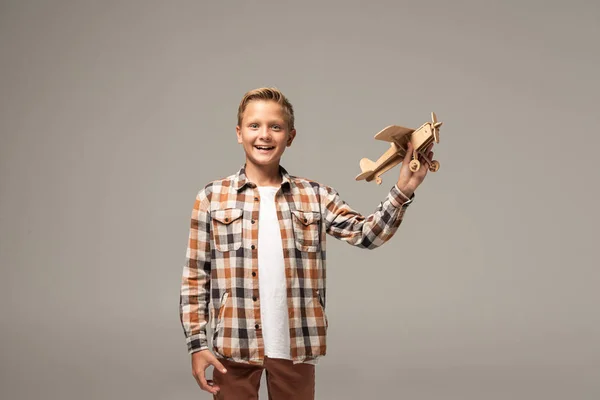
x=113 y=114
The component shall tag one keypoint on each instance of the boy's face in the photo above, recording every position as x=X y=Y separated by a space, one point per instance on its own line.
x=264 y=133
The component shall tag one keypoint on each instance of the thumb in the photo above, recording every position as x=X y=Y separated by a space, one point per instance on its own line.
x=408 y=155
x=217 y=364
x=404 y=170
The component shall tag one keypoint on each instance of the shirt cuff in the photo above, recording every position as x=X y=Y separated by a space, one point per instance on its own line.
x=399 y=199
x=196 y=343
x=192 y=351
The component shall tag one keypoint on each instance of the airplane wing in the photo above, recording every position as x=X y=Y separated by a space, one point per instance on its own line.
x=394 y=133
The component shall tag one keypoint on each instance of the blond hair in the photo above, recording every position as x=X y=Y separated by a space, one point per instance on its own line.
x=272 y=94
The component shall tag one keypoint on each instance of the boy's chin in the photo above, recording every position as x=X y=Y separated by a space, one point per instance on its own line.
x=263 y=162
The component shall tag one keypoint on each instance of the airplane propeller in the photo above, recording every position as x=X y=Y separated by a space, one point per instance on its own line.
x=436 y=127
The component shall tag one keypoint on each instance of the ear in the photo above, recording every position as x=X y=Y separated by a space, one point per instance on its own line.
x=238 y=132
x=291 y=137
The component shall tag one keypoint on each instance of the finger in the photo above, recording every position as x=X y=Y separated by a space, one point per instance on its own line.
x=214 y=387
x=425 y=170
x=422 y=158
x=420 y=174
x=201 y=379
x=409 y=150
x=408 y=155
x=217 y=364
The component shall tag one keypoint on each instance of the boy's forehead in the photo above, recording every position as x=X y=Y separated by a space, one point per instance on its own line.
x=257 y=108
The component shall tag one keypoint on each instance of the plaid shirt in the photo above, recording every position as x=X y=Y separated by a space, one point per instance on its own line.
x=220 y=277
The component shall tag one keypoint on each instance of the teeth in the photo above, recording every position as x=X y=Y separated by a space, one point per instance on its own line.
x=263 y=148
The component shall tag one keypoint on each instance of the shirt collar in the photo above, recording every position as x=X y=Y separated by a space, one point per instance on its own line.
x=241 y=180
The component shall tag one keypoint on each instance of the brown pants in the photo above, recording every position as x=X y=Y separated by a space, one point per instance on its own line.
x=285 y=381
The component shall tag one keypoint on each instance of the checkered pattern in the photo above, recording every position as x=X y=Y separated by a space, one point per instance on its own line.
x=220 y=277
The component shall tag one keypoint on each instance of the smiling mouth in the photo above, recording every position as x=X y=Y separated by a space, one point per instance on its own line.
x=265 y=148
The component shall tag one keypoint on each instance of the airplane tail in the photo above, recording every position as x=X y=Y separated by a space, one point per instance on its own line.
x=366 y=167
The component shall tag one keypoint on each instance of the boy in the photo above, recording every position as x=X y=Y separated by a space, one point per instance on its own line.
x=256 y=260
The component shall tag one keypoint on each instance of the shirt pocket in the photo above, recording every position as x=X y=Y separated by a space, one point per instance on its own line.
x=227 y=228
x=306 y=229
x=322 y=307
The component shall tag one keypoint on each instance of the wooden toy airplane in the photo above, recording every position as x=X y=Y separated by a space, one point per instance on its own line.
x=399 y=137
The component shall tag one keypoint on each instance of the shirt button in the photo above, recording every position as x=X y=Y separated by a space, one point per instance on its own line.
x=226 y=219
x=256 y=199
x=253 y=247
x=305 y=220
x=253 y=221
x=254 y=298
x=254 y=274
x=256 y=326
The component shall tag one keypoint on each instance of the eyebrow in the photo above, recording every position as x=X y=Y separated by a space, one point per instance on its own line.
x=280 y=122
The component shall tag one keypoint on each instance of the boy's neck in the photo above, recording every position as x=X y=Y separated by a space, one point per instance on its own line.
x=263 y=175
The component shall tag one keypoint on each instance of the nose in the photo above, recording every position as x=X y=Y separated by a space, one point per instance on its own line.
x=265 y=134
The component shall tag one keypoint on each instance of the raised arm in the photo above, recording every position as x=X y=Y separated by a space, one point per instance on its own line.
x=370 y=232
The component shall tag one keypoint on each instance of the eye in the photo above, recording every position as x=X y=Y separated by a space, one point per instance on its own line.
x=277 y=127
x=253 y=125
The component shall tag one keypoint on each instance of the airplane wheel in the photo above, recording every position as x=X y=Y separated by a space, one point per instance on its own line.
x=414 y=165
x=434 y=166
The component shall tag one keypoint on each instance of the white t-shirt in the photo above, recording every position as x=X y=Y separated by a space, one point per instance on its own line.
x=271 y=279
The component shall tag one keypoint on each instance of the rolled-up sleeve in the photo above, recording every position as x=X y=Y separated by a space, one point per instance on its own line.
x=365 y=231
